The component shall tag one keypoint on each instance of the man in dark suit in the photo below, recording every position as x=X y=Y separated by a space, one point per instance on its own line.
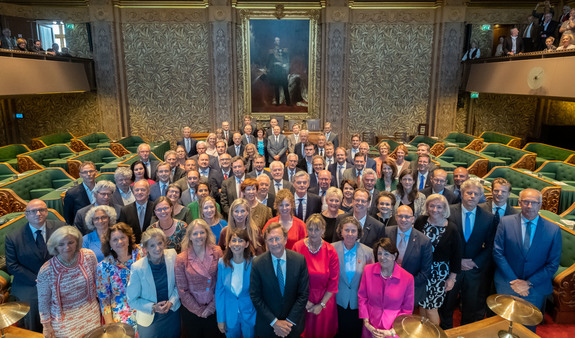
x=305 y=163
x=264 y=195
x=318 y=164
x=513 y=44
x=277 y=146
x=527 y=250
x=291 y=167
x=531 y=33
x=247 y=137
x=323 y=183
x=236 y=148
x=306 y=203
x=102 y=193
x=330 y=136
x=476 y=230
x=438 y=186
x=139 y=214
x=460 y=175
x=231 y=186
x=423 y=148
x=123 y=194
x=415 y=251
x=188 y=142
x=279 y=287
x=160 y=188
x=350 y=153
x=190 y=195
x=151 y=164
x=217 y=176
x=368 y=182
x=299 y=147
x=81 y=195
x=498 y=207
x=26 y=252
x=228 y=135
x=423 y=174
x=372 y=229
x=176 y=172
x=338 y=168
x=548 y=28
x=278 y=182
x=259 y=167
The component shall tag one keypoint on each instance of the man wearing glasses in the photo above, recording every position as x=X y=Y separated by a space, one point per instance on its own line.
x=438 y=182
x=103 y=192
x=81 y=195
x=26 y=252
x=526 y=251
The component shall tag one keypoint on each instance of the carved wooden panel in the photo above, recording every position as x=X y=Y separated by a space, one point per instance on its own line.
x=10 y=202
x=26 y=163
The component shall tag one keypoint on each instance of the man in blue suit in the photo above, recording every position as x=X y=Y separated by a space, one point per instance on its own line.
x=188 y=142
x=279 y=287
x=526 y=251
x=26 y=252
x=81 y=195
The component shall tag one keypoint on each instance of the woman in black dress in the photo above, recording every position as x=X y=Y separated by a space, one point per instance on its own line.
x=446 y=264
x=333 y=198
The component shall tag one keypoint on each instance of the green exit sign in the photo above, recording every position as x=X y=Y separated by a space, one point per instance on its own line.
x=69 y=26
x=474 y=95
x=485 y=27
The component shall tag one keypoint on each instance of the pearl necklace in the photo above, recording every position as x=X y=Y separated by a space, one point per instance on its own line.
x=310 y=249
x=68 y=264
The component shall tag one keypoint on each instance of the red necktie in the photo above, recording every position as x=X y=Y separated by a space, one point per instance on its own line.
x=225 y=176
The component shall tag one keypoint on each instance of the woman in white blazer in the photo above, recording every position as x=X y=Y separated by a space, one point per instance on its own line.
x=353 y=257
x=152 y=288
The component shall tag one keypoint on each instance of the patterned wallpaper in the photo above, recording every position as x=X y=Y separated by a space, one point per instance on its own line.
x=518 y=117
x=168 y=78
x=390 y=67
x=561 y=113
x=44 y=114
x=77 y=41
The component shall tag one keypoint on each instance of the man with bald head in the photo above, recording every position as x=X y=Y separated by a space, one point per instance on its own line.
x=438 y=181
x=513 y=44
x=26 y=252
x=415 y=251
x=138 y=214
x=526 y=251
x=237 y=147
x=323 y=183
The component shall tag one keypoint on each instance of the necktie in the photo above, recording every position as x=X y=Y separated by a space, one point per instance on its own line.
x=321 y=152
x=187 y=145
x=148 y=169
x=277 y=139
x=141 y=215
x=238 y=187
x=359 y=178
x=401 y=247
x=322 y=193
x=205 y=173
x=496 y=217
x=225 y=176
x=328 y=163
x=237 y=150
x=163 y=189
x=300 y=209
x=40 y=243
x=467 y=233
x=193 y=196
x=527 y=238
x=280 y=276
x=291 y=173
x=339 y=175
x=421 y=182
x=278 y=187
x=226 y=135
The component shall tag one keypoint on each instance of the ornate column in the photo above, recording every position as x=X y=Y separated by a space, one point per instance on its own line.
x=220 y=19
x=448 y=39
x=108 y=61
x=335 y=45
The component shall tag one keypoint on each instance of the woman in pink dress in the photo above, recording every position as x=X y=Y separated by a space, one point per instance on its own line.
x=323 y=267
x=67 y=298
x=386 y=291
x=295 y=227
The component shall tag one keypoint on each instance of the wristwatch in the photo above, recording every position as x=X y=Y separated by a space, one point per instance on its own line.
x=322 y=305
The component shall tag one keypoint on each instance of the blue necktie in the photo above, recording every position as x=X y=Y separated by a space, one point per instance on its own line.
x=280 y=276
x=300 y=209
x=163 y=190
x=467 y=225
x=421 y=182
x=527 y=238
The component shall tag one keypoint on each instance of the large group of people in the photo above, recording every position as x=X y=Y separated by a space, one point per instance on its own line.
x=289 y=238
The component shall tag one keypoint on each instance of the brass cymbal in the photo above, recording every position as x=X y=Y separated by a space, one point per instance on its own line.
x=515 y=309
x=416 y=326
x=115 y=330
x=12 y=312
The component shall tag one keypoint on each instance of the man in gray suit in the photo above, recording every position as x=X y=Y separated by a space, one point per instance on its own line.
x=190 y=194
x=415 y=251
x=330 y=136
x=356 y=171
x=231 y=186
x=123 y=194
x=294 y=138
x=160 y=188
x=26 y=252
x=277 y=146
x=277 y=172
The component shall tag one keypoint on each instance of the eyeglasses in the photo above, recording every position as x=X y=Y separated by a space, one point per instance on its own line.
x=164 y=209
x=403 y=216
x=527 y=203
x=35 y=211
x=101 y=218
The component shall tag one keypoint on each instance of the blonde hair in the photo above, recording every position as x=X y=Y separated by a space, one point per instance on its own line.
x=210 y=238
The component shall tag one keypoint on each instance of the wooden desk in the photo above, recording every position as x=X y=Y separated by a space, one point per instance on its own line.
x=489 y=328
x=13 y=331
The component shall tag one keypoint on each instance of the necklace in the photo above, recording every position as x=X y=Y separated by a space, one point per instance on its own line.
x=68 y=264
x=165 y=229
x=313 y=252
x=384 y=276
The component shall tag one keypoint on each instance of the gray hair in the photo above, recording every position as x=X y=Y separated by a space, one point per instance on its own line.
x=277 y=163
x=111 y=212
x=442 y=199
x=104 y=185
x=290 y=155
x=59 y=235
x=300 y=174
x=472 y=183
x=369 y=171
x=334 y=191
x=152 y=233
x=124 y=172
x=168 y=153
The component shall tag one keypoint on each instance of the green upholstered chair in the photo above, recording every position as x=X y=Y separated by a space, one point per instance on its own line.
x=129 y=145
x=436 y=146
x=546 y=152
x=46 y=184
x=50 y=156
x=48 y=140
x=494 y=137
x=100 y=157
x=90 y=141
x=564 y=279
x=464 y=141
x=458 y=157
x=7 y=173
x=562 y=174
x=9 y=154
x=503 y=155
x=520 y=180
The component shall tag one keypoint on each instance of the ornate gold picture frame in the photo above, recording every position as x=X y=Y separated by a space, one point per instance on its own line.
x=279 y=61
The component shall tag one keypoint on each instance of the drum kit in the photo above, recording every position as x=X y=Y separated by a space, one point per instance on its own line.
x=512 y=308
x=12 y=312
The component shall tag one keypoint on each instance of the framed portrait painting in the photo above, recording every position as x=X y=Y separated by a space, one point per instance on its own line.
x=279 y=60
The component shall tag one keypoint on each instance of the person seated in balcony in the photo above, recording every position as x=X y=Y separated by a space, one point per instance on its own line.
x=566 y=42
x=55 y=50
x=21 y=45
x=37 y=47
x=513 y=45
x=549 y=46
x=473 y=52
